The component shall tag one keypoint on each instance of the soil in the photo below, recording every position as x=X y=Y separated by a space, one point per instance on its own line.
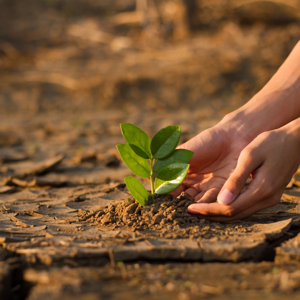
x=167 y=212
x=70 y=72
x=167 y=218
x=169 y=281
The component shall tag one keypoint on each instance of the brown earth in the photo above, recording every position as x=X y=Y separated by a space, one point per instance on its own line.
x=70 y=72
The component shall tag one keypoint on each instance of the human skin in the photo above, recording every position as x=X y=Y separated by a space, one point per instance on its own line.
x=261 y=139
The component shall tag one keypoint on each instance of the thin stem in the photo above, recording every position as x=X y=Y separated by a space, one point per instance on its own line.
x=151 y=178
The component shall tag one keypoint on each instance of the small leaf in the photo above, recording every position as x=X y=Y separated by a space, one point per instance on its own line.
x=170 y=178
x=165 y=141
x=138 y=140
x=137 y=190
x=177 y=156
x=137 y=165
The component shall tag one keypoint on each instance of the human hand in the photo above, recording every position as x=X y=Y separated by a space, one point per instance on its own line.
x=271 y=158
x=216 y=152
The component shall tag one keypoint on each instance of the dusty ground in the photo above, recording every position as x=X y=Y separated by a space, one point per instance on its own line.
x=70 y=72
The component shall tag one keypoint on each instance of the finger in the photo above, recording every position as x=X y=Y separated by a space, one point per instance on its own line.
x=210 y=209
x=208 y=197
x=243 y=214
x=192 y=191
x=205 y=145
x=247 y=163
x=249 y=201
x=199 y=196
x=251 y=196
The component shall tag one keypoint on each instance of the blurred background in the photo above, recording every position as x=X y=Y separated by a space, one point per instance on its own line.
x=91 y=64
x=158 y=55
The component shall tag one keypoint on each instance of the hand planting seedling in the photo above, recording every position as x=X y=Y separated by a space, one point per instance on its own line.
x=145 y=157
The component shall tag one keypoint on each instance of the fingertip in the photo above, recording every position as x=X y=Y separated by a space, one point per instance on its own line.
x=225 y=197
x=192 y=209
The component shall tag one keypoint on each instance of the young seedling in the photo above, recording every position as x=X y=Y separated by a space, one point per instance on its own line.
x=145 y=157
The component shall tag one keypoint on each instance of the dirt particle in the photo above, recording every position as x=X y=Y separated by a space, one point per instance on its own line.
x=128 y=201
x=106 y=219
x=172 y=216
x=138 y=210
x=158 y=218
x=130 y=209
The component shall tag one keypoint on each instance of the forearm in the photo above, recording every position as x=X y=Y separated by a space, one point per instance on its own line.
x=277 y=104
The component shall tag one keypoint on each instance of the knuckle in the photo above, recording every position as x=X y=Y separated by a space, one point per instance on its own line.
x=268 y=189
x=247 y=152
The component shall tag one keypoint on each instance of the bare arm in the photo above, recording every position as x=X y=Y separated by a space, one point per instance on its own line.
x=277 y=104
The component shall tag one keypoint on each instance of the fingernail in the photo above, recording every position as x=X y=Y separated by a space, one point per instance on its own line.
x=193 y=211
x=225 y=197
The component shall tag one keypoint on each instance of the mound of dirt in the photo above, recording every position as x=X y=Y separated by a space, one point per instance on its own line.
x=167 y=214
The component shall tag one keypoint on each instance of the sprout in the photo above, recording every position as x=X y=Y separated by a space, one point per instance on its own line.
x=145 y=157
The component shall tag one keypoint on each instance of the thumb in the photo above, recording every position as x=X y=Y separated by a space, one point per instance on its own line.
x=233 y=186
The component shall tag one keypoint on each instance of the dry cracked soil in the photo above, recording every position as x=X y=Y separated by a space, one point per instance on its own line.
x=70 y=229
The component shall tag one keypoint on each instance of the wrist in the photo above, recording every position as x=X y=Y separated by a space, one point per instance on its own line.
x=244 y=122
x=267 y=110
x=292 y=129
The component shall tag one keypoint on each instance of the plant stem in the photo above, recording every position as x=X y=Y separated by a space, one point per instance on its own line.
x=151 y=178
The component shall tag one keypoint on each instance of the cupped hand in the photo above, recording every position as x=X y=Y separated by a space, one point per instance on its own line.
x=216 y=151
x=271 y=159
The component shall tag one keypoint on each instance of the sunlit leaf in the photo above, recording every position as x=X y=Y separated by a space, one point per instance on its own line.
x=137 y=190
x=138 y=140
x=178 y=156
x=170 y=178
x=165 y=141
x=137 y=165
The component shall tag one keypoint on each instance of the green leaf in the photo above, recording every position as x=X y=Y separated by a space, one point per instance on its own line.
x=137 y=190
x=138 y=140
x=165 y=141
x=177 y=156
x=170 y=178
x=137 y=165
